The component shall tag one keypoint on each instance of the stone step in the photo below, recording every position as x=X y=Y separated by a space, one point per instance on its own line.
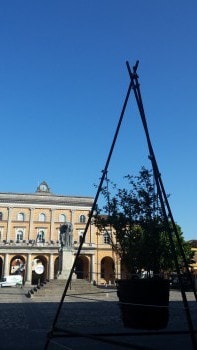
x=11 y=295
x=54 y=289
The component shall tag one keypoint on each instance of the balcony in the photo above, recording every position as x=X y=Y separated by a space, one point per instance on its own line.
x=85 y=245
x=31 y=243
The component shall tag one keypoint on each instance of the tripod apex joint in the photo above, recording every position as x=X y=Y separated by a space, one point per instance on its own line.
x=132 y=74
x=136 y=66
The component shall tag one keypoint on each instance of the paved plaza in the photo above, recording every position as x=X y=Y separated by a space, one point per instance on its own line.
x=25 y=323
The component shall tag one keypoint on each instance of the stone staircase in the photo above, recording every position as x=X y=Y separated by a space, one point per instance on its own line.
x=53 y=290
x=9 y=295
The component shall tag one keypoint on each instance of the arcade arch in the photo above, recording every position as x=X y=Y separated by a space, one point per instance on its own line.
x=108 y=270
x=82 y=267
x=56 y=267
x=39 y=261
x=17 y=266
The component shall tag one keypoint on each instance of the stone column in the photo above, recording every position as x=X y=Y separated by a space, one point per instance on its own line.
x=9 y=224
x=72 y=222
x=28 y=269
x=52 y=225
x=51 y=267
x=30 y=236
x=93 y=268
x=72 y=216
x=6 y=265
x=117 y=268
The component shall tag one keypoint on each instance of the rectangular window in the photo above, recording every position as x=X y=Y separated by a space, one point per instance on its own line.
x=81 y=236
x=106 y=238
x=19 y=236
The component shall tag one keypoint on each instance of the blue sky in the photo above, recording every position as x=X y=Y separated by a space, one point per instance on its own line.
x=63 y=80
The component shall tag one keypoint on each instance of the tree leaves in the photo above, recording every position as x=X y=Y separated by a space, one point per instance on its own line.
x=135 y=223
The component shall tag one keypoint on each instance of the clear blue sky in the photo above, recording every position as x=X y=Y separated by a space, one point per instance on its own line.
x=63 y=80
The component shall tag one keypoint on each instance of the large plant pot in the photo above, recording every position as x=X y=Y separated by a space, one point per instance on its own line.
x=144 y=303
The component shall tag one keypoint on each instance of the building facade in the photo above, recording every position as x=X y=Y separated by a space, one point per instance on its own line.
x=30 y=237
x=194 y=260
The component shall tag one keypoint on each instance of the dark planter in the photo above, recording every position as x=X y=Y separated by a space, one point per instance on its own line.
x=144 y=303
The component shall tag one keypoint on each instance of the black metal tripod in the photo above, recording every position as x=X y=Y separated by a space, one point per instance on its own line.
x=170 y=223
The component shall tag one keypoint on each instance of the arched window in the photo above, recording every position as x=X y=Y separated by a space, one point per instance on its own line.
x=19 y=236
x=1 y=216
x=40 y=237
x=20 y=217
x=42 y=217
x=82 y=219
x=62 y=218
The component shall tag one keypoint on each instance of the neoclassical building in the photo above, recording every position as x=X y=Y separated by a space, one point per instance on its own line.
x=30 y=237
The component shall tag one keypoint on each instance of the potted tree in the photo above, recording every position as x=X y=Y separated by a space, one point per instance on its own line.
x=136 y=227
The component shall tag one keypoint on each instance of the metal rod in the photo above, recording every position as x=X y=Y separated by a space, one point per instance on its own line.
x=153 y=159
x=104 y=172
x=164 y=201
x=161 y=192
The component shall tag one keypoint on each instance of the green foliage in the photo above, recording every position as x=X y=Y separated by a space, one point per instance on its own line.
x=134 y=221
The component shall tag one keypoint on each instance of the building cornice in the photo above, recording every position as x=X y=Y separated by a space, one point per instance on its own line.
x=45 y=199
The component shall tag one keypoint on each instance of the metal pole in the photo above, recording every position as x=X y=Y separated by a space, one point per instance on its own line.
x=50 y=334
x=163 y=200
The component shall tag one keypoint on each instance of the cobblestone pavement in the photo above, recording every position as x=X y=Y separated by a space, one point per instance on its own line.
x=25 y=323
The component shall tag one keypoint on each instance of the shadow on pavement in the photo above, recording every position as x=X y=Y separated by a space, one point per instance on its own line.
x=24 y=326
